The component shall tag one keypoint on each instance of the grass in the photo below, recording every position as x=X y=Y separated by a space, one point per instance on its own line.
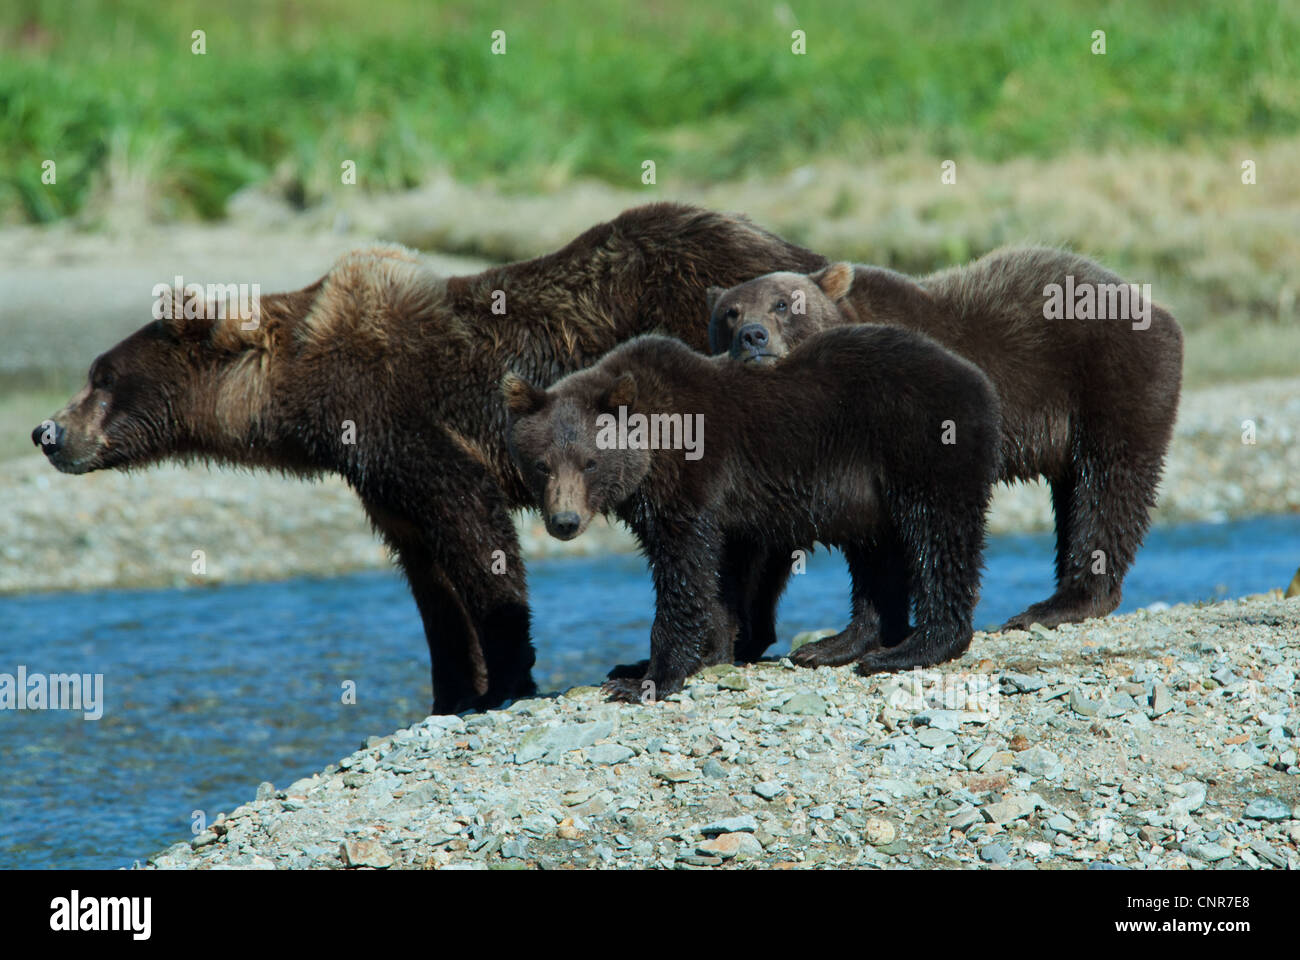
x=287 y=91
x=20 y=411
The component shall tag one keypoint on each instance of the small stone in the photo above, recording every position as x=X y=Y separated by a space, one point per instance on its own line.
x=580 y=796
x=1268 y=853
x=1149 y=834
x=1161 y=700
x=878 y=832
x=365 y=853
x=1267 y=808
x=731 y=845
x=1040 y=762
x=674 y=775
x=769 y=789
x=744 y=824
x=936 y=738
x=609 y=753
x=823 y=812
x=516 y=849
x=804 y=705
x=714 y=770
x=265 y=791
x=1060 y=823
x=965 y=818
x=1209 y=852
x=980 y=757
x=1082 y=705
x=1004 y=811
x=1192 y=800
x=203 y=839
x=1038 y=850
x=995 y=853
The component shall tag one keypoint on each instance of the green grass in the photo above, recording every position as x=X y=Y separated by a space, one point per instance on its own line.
x=111 y=92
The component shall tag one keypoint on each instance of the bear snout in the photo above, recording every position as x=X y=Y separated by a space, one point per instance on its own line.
x=49 y=436
x=751 y=342
x=563 y=526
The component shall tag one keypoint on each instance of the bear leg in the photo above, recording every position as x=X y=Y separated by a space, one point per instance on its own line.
x=476 y=618
x=1103 y=511
x=692 y=627
x=943 y=547
x=880 y=607
x=762 y=581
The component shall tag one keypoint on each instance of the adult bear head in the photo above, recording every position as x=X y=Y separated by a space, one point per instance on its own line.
x=761 y=320
x=191 y=384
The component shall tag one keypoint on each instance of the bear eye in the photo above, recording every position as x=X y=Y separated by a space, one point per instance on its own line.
x=780 y=306
x=102 y=379
x=591 y=465
x=732 y=313
x=541 y=467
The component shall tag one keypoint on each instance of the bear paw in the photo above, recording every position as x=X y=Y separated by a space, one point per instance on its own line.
x=845 y=647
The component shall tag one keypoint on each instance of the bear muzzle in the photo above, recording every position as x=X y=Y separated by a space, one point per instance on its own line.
x=564 y=526
x=751 y=343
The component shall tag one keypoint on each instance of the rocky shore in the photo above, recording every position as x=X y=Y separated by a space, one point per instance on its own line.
x=1161 y=739
x=114 y=529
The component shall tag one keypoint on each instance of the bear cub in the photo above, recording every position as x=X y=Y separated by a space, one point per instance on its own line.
x=868 y=438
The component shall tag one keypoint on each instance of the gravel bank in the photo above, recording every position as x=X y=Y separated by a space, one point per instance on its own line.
x=116 y=529
x=1161 y=739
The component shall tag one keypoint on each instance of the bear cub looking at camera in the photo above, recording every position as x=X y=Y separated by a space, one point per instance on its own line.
x=868 y=438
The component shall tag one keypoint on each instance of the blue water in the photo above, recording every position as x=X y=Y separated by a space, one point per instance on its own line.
x=210 y=691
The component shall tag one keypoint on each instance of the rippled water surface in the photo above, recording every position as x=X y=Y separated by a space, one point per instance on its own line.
x=210 y=691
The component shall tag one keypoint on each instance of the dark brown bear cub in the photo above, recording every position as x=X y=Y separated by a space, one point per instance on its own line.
x=869 y=438
x=1087 y=370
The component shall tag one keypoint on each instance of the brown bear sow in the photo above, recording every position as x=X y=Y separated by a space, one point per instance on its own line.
x=415 y=362
x=870 y=438
x=1088 y=374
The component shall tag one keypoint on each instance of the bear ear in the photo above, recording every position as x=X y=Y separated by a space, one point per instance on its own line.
x=622 y=393
x=522 y=398
x=713 y=295
x=835 y=280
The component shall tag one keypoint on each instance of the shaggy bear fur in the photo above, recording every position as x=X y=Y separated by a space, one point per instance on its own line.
x=1088 y=404
x=414 y=361
x=870 y=438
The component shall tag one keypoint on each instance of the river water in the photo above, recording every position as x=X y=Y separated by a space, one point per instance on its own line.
x=208 y=691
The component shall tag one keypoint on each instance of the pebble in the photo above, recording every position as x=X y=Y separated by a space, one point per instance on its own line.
x=1192 y=800
x=1040 y=762
x=1209 y=852
x=365 y=853
x=729 y=845
x=878 y=832
x=1267 y=808
x=995 y=853
x=804 y=705
x=609 y=753
x=745 y=824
